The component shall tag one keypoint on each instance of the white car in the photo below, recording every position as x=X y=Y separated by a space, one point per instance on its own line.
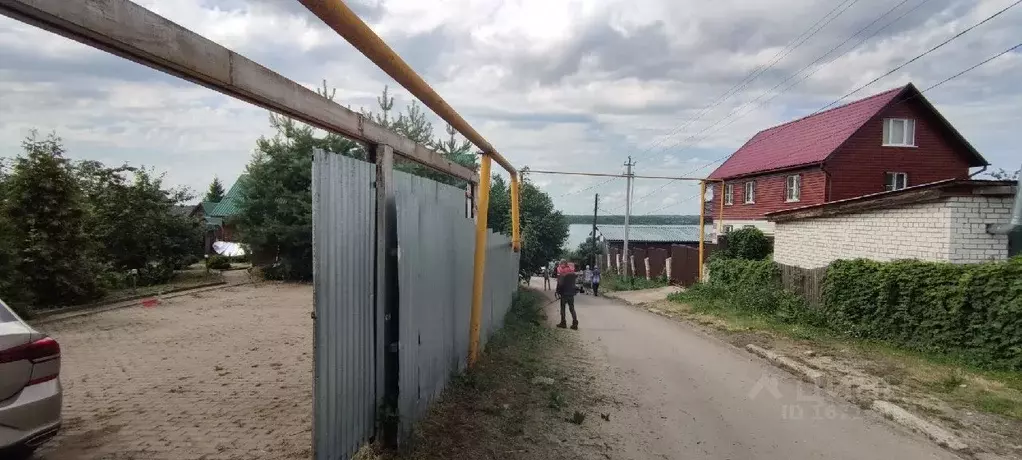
x=30 y=391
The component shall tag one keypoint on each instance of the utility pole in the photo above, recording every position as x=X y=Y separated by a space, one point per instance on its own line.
x=628 y=213
x=596 y=205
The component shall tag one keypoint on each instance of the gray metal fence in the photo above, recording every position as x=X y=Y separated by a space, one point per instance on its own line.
x=343 y=241
x=435 y=244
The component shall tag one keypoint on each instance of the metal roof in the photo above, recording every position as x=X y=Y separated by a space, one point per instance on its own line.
x=653 y=233
x=228 y=206
x=812 y=139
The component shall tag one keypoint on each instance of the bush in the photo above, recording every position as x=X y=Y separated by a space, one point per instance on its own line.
x=973 y=310
x=217 y=262
x=747 y=243
x=155 y=273
x=753 y=285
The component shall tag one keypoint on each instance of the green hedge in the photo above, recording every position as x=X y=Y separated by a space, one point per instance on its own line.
x=973 y=310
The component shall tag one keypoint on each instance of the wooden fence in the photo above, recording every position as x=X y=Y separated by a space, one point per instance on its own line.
x=806 y=282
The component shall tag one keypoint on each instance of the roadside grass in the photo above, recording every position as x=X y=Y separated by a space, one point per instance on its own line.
x=496 y=409
x=952 y=379
x=612 y=282
x=182 y=279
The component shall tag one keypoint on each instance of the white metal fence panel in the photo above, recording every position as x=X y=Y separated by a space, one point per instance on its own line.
x=343 y=240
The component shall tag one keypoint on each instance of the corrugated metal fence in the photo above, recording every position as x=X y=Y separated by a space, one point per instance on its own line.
x=435 y=243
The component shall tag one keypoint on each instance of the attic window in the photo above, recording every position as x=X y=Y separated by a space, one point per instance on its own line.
x=899 y=132
x=895 y=181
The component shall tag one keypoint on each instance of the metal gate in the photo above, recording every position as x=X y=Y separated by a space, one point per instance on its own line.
x=393 y=259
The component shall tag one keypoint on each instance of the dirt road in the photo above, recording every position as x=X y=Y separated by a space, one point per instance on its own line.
x=682 y=394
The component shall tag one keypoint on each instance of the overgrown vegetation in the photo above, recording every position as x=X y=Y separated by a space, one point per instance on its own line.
x=74 y=230
x=543 y=228
x=498 y=406
x=747 y=243
x=969 y=310
x=974 y=310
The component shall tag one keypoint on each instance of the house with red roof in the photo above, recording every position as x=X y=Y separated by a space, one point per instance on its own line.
x=888 y=141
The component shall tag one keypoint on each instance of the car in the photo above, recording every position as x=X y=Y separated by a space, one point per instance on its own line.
x=30 y=390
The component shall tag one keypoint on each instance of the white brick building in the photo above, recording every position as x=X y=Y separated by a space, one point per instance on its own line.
x=943 y=221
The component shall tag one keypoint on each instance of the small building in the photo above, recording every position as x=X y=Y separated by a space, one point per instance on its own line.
x=944 y=221
x=888 y=141
x=218 y=216
x=646 y=237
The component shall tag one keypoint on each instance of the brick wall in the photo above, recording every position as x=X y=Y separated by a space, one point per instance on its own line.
x=919 y=231
x=858 y=167
x=969 y=218
x=953 y=230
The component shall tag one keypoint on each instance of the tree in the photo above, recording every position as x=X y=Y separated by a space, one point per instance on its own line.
x=747 y=243
x=275 y=216
x=130 y=217
x=1002 y=174
x=586 y=252
x=543 y=229
x=216 y=191
x=47 y=217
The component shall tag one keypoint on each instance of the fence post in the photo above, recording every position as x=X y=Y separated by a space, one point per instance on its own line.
x=516 y=234
x=387 y=301
x=479 y=272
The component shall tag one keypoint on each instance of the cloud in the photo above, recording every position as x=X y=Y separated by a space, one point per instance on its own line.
x=566 y=85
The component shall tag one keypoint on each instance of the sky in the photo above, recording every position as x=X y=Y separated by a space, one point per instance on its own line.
x=574 y=85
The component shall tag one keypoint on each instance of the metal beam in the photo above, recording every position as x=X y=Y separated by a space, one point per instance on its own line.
x=347 y=24
x=128 y=30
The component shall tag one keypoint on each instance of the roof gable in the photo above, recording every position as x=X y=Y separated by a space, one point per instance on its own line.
x=810 y=140
x=805 y=141
x=229 y=205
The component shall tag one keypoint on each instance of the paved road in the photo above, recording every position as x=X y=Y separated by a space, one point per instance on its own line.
x=687 y=395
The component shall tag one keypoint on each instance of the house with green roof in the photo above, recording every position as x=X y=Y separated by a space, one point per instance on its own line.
x=219 y=216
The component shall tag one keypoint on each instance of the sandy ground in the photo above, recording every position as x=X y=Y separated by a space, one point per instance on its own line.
x=643 y=295
x=221 y=374
x=679 y=393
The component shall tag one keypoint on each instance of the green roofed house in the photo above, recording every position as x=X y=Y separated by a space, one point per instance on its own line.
x=218 y=216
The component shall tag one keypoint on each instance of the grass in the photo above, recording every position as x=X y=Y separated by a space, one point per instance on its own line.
x=181 y=279
x=953 y=379
x=497 y=406
x=611 y=282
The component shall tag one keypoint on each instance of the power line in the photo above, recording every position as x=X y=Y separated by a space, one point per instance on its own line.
x=817 y=69
x=935 y=48
x=931 y=87
x=956 y=36
x=735 y=89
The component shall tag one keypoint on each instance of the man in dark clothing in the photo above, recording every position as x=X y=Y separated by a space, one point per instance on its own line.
x=566 y=292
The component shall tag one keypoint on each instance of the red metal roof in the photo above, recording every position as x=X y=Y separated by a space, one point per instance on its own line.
x=805 y=141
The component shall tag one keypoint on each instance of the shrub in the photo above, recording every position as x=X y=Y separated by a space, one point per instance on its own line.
x=155 y=273
x=748 y=284
x=217 y=262
x=747 y=243
x=973 y=310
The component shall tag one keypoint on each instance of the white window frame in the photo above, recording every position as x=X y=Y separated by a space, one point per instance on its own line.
x=793 y=188
x=729 y=229
x=749 y=197
x=729 y=194
x=908 y=138
x=889 y=186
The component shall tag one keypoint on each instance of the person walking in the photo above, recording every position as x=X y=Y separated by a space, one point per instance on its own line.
x=587 y=279
x=566 y=292
x=546 y=278
x=596 y=281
